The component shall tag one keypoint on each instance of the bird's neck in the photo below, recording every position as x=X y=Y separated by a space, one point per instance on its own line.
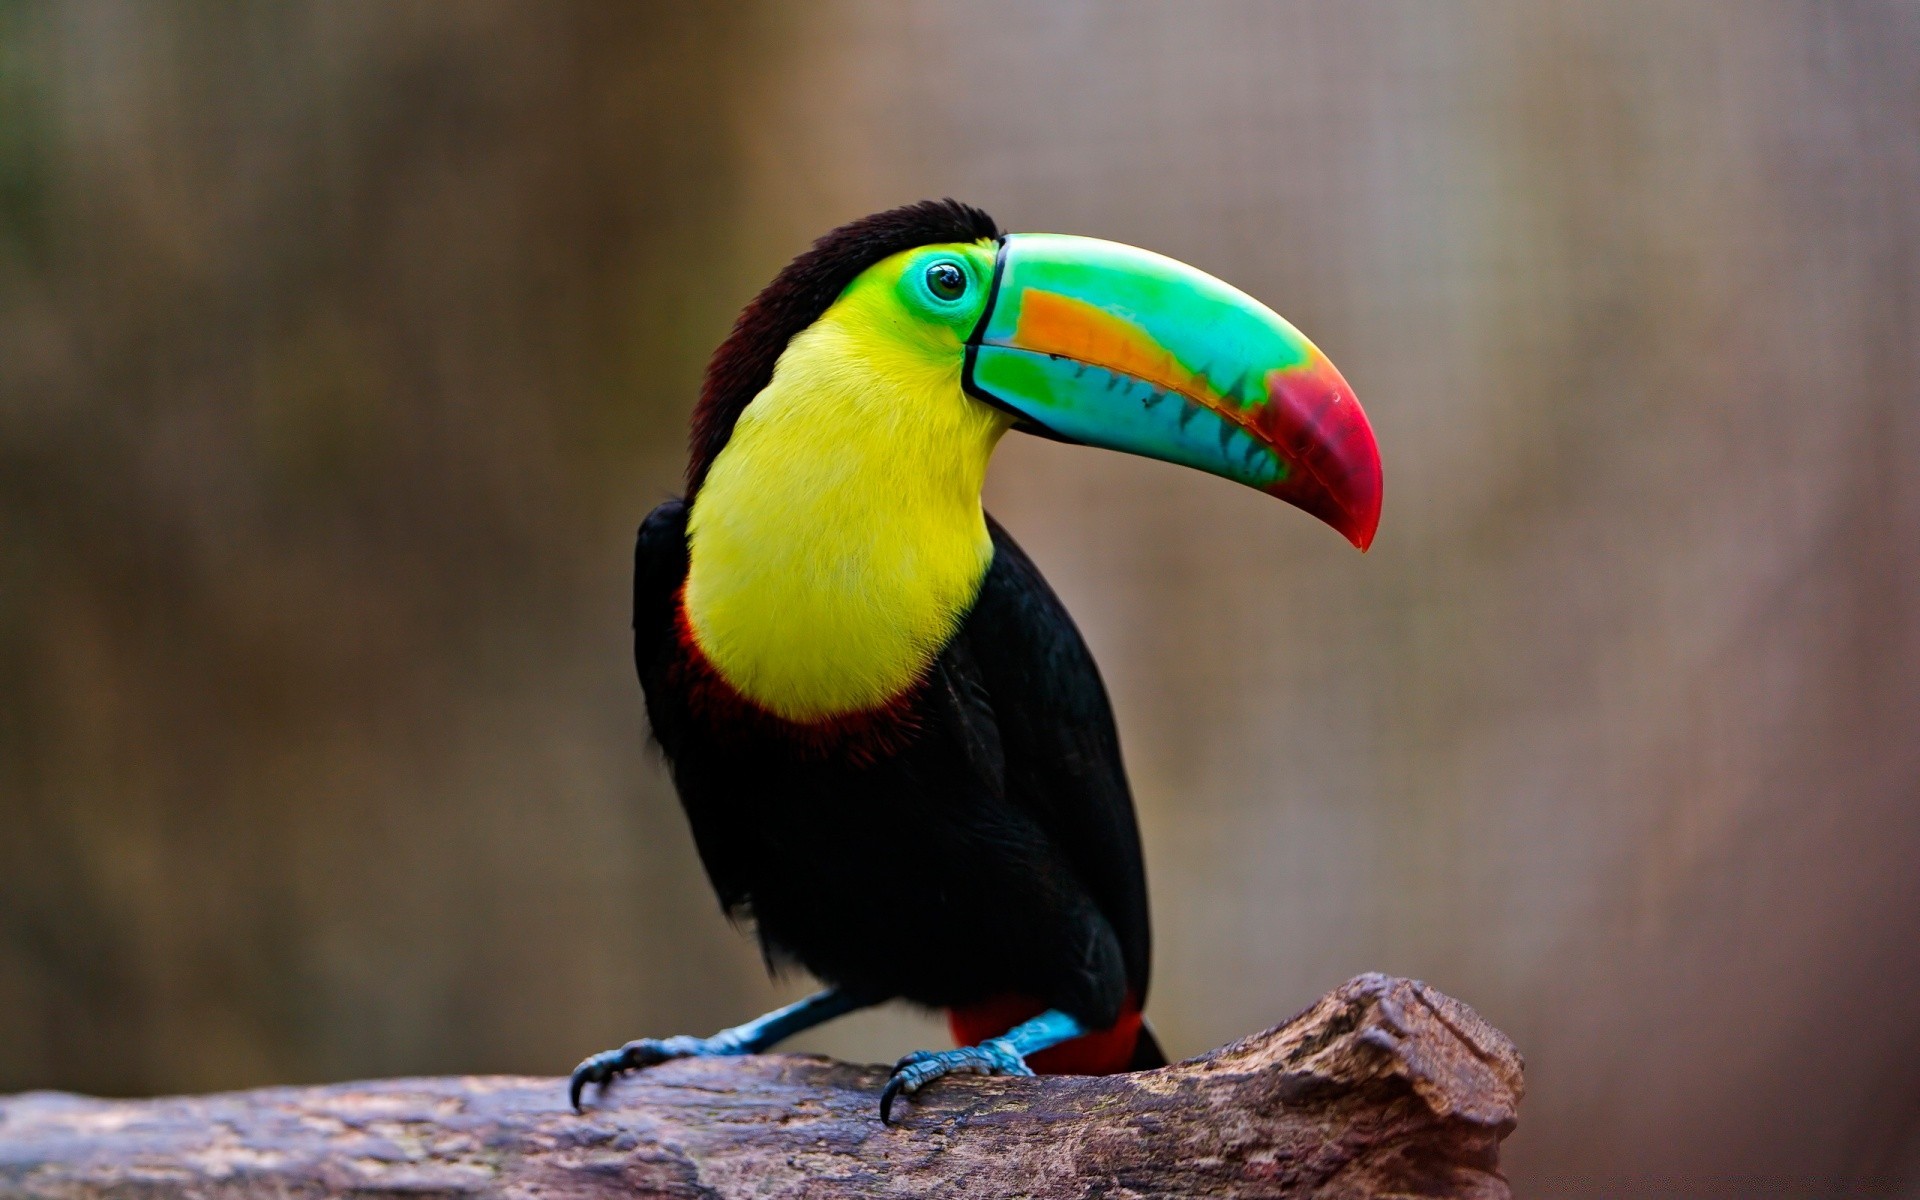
x=838 y=541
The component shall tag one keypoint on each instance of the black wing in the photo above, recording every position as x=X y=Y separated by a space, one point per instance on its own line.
x=1056 y=733
x=659 y=568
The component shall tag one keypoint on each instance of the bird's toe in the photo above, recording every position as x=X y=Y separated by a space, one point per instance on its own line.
x=604 y=1067
x=915 y=1071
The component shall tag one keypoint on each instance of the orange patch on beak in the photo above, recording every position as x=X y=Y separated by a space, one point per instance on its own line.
x=1051 y=323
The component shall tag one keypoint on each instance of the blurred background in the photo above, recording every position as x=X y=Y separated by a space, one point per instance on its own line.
x=343 y=346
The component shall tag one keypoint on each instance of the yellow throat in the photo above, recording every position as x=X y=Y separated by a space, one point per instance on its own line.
x=838 y=539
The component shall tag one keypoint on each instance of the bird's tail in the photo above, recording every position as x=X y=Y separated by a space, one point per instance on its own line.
x=1126 y=1045
x=1147 y=1053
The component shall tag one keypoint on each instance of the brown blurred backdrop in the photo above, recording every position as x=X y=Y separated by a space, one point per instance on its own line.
x=342 y=346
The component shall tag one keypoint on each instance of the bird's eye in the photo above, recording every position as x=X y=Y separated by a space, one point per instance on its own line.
x=946 y=280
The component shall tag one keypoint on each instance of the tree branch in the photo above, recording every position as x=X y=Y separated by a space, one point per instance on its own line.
x=1384 y=1087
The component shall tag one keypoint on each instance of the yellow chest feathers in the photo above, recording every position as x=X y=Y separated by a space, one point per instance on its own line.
x=838 y=539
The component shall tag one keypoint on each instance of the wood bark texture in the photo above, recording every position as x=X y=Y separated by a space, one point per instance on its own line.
x=1385 y=1087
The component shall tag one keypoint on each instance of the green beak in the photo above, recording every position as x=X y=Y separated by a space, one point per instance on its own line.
x=1107 y=345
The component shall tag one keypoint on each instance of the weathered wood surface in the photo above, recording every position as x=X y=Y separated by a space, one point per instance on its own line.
x=1383 y=1088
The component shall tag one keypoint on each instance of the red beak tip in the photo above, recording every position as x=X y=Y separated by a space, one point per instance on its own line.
x=1319 y=428
x=1361 y=531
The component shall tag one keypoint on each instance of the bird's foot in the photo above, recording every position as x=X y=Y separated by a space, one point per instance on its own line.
x=761 y=1033
x=995 y=1056
x=604 y=1067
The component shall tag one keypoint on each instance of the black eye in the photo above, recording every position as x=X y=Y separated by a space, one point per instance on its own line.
x=946 y=280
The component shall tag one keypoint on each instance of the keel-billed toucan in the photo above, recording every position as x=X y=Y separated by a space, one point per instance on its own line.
x=893 y=747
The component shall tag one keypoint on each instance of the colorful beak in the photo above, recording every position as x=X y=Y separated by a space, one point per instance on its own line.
x=1107 y=345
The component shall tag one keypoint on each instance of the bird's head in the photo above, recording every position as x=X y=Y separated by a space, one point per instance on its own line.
x=1072 y=338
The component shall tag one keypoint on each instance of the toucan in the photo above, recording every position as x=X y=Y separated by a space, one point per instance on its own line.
x=893 y=747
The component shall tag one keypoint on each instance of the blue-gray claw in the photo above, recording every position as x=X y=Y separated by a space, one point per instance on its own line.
x=603 y=1067
x=995 y=1056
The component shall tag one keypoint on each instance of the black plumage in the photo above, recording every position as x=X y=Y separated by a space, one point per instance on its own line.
x=980 y=844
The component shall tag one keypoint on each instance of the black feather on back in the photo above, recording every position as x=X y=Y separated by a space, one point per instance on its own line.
x=807 y=287
x=1058 y=736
